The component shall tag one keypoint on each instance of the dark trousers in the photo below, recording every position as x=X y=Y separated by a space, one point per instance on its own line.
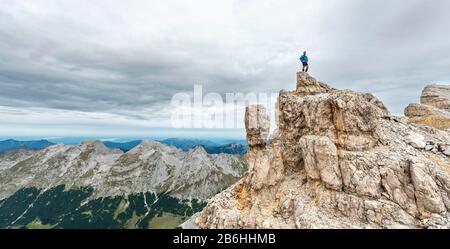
x=305 y=67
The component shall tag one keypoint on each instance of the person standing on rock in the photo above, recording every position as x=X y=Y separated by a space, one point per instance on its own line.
x=304 y=60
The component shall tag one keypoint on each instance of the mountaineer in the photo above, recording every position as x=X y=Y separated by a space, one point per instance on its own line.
x=304 y=60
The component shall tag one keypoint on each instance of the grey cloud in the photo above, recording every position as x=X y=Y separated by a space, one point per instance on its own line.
x=127 y=58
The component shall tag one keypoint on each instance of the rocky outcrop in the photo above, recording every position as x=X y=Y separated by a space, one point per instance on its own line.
x=437 y=96
x=338 y=159
x=258 y=125
x=434 y=109
x=307 y=85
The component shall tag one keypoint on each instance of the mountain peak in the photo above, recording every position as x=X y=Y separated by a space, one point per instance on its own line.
x=308 y=85
x=97 y=147
x=95 y=144
x=147 y=145
x=198 y=150
x=338 y=160
x=92 y=143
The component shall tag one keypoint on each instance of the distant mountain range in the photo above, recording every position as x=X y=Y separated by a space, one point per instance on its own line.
x=187 y=144
x=89 y=185
x=229 y=147
x=125 y=147
x=11 y=144
x=235 y=147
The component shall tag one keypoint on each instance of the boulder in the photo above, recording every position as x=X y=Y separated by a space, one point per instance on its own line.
x=416 y=140
x=437 y=96
x=434 y=110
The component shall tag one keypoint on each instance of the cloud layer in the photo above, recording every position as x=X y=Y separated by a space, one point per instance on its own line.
x=126 y=59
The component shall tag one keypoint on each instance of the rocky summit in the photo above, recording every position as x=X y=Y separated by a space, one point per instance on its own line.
x=339 y=159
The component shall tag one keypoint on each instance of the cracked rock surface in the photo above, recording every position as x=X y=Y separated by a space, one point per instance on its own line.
x=338 y=159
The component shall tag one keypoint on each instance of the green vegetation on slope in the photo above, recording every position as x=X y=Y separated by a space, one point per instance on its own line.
x=59 y=208
x=166 y=221
x=37 y=224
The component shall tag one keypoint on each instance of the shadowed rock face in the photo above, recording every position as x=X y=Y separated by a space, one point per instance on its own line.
x=434 y=109
x=338 y=160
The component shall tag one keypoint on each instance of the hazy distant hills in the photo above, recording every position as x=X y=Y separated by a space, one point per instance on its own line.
x=11 y=144
x=186 y=145
x=182 y=144
x=125 y=147
x=235 y=147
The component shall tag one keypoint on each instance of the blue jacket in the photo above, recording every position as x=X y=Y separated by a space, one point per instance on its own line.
x=304 y=58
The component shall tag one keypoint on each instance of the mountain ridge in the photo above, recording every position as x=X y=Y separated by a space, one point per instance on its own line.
x=12 y=144
x=184 y=144
x=93 y=164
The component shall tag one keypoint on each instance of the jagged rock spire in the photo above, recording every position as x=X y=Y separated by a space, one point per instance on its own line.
x=257 y=124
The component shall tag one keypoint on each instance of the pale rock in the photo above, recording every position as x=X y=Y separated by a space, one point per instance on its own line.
x=429 y=147
x=436 y=222
x=416 y=140
x=257 y=125
x=321 y=160
x=338 y=160
x=446 y=151
x=307 y=85
x=190 y=223
x=437 y=96
x=434 y=110
x=360 y=174
x=427 y=194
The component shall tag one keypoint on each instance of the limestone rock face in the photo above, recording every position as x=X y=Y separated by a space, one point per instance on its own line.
x=321 y=160
x=257 y=124
x=416 y=140
x=338 y=160
x=434 y=109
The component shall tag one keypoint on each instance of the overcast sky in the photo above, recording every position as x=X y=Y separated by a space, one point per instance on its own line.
x=110 y=67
